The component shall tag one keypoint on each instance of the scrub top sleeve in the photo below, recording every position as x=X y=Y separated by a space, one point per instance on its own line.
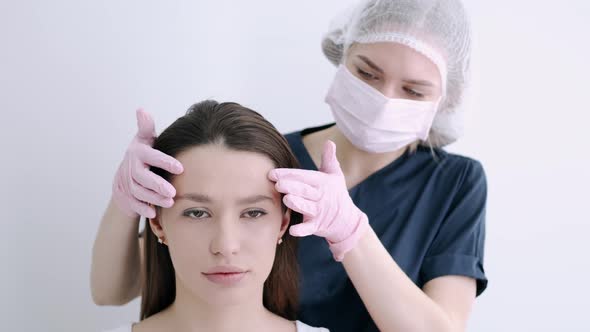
x=458 y=247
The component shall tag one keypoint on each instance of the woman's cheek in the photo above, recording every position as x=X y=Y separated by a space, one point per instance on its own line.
x=188 y=242
x=266 y=229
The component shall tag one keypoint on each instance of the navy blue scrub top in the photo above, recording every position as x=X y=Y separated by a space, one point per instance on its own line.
x=429 y=213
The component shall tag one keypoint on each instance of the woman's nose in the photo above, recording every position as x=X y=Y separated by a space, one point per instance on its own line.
x=390 y=90
x=226 y=238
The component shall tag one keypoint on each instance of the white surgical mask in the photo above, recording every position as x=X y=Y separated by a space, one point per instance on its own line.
x=373 y=122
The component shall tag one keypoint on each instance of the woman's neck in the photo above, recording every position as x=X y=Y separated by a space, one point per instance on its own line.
x=190 y=313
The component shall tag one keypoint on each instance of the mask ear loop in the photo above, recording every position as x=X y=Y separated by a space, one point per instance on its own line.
x=431 y=118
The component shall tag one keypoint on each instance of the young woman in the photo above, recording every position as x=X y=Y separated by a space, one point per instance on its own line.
x=219 y=259
x=404 y=219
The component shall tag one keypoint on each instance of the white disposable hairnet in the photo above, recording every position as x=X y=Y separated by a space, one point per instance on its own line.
x=439 y=29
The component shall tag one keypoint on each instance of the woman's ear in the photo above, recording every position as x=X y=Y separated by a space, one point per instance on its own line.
x=285 y=222
x=156 y=226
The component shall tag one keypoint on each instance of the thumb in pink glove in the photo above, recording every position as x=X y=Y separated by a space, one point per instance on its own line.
x=323 y=200
x=135 y=186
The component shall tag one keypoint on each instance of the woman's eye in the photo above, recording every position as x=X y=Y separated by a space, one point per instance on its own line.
x=366 y=75
x=413 y=93
x=253 y=214
x=196 y=214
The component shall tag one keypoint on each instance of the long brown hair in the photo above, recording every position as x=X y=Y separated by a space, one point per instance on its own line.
x=237 y=128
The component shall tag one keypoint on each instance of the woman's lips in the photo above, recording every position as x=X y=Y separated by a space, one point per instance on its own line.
x=226 y=275
x=225 y=278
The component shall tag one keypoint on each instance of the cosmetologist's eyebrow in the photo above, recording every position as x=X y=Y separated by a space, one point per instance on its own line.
x=370 y=63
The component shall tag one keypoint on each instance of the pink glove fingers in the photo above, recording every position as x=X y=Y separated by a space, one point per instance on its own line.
x=148 y=179
x=301 y=205
x=299 y=189
x=146 y=128
x=312 y=178
x=145 y=195
x=156 y=158
x=306 y=228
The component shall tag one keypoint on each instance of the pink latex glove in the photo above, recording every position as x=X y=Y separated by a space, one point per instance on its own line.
x=323 y=199
x=135 y=186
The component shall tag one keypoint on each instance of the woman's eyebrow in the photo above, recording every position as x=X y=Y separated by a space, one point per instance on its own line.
x=195 y=197
x=420 y=82
x=375 y=67
x=201 y=198
x=370 y=63
x=255 y=199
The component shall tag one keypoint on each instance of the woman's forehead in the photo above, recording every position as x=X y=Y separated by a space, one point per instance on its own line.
x=219 y=169
x=395 y=58
x=214 y=156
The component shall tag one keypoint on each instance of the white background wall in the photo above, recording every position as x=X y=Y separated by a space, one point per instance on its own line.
x=72 y=74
